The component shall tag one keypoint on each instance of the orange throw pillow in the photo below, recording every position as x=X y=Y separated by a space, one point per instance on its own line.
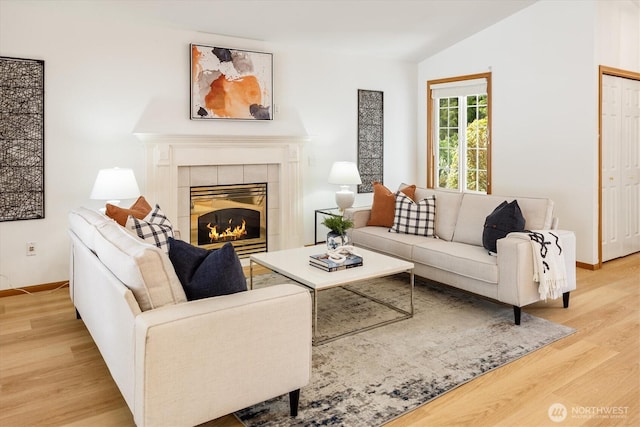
x=383 y=208
x=139 y=210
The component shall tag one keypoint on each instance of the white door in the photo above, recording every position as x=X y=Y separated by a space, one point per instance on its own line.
x=620 y=167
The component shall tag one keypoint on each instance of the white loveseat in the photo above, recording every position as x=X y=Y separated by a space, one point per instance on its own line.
x=178 y=362
x=457 y=257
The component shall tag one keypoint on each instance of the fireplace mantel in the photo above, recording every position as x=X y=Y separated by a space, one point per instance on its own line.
x=165 y=154
x=217 y=138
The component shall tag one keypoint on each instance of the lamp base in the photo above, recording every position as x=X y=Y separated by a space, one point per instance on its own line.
x=345 y=197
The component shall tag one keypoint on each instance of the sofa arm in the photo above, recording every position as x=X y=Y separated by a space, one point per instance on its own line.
x=202 y=359
x=515 y=267
x=360 y=215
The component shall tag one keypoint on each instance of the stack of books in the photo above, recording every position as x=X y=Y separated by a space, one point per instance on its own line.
x=322 y=261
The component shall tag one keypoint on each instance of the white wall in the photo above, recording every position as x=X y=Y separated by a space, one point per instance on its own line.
x=544 y=99
x=618 y=34
x=106 y=78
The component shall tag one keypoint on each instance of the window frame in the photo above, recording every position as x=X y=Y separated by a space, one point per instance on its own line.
x=433 y=109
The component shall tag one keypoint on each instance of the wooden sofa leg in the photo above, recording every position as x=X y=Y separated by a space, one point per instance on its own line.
x=516 y=314
x=565 y=299
x=294 y=399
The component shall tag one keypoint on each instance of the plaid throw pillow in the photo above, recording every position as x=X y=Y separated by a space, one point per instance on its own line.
x=414 y=217
x=155 y=228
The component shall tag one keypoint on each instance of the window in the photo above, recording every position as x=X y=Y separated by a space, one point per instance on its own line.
x=458 y=142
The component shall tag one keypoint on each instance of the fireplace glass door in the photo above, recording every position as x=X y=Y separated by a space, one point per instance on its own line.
x=230 y=213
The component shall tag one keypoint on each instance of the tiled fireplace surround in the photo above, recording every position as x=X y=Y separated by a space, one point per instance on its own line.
x=174 y=163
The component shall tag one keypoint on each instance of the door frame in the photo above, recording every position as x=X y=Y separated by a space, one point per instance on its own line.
x=615 y=72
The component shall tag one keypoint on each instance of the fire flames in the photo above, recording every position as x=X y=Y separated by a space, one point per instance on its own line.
x=229 y=233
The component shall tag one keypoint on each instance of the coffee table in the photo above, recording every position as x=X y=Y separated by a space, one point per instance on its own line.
x=294 y=264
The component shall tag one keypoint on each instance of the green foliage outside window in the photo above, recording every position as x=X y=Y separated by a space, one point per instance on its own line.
x=448 y=161
x=477 y=155
x=476 y=165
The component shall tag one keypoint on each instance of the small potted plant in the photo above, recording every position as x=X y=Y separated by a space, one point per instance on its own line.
x=338 y=234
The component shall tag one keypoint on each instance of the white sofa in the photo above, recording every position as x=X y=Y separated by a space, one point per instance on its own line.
x=457 y=257
x=178 y=362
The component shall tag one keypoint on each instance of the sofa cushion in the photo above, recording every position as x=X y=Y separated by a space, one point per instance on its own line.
x=459 y=258
x=83 y=223
x=504 y=219
x=139 y=209
x=141 y=267
x=414 y=217
x=384 y=204
x=379 y=239
x=537 y=212
x=155 y=228
x=476 y=207
x=447 y=208
x=207 y=273
x=473 y=211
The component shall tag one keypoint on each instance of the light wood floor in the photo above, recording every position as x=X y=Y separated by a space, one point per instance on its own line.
x=52 y=374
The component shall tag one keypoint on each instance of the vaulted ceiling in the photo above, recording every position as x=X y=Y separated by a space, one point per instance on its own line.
x=408 y=30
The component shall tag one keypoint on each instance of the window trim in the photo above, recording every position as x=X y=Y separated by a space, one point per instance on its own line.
x=431 y=108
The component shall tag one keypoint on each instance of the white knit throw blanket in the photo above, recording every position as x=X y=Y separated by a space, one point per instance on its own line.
x=548 y=264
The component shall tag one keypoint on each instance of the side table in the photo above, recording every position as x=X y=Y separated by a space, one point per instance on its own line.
x=323 y=213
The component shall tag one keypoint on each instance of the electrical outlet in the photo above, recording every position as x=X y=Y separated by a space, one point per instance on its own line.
x=31 y=249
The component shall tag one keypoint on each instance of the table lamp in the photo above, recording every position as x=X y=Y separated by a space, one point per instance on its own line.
x=115 y=184
x=344 y=174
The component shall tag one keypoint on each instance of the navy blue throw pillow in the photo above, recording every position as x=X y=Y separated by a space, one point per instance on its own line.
x=207 y=273
x=504 y=219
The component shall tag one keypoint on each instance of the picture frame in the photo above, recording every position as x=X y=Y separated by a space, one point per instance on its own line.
x=230 y=84
x=22 y=143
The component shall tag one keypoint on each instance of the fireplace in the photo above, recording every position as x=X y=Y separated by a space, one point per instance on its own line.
x=230 y=213
x=177 y=162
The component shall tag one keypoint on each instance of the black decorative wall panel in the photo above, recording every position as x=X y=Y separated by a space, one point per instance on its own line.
x=21 y=139
x=370 y=138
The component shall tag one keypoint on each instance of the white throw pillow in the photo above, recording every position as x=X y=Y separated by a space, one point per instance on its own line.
x=414 y=217
x=141 y=267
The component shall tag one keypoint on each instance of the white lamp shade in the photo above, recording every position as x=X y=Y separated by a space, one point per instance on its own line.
x=115 y=184
x=344 y=173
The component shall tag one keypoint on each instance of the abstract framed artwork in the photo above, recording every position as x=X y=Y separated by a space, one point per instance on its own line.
x=370 y=138
x=231 y=84
x=21 y=139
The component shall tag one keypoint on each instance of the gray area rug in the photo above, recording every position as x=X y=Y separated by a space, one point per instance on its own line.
x=375 y=376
